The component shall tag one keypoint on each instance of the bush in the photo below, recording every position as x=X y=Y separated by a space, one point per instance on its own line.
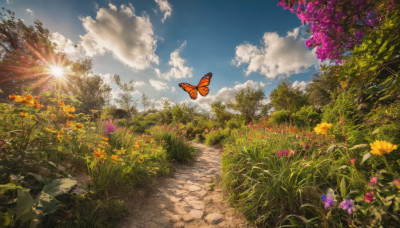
x=176 y=145
x=306 y=116
x=281 y=116
x=216 y=137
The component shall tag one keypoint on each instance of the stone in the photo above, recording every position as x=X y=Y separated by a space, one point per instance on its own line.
x=163 y=221
x=214 y=218
x=196 y=204
x=196 y=214
x=193 y=188
x=187 y=218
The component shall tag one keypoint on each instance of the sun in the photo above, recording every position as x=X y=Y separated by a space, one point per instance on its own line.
x=57 y=71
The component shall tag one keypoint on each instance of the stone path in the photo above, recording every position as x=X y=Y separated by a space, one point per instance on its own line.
x=191 y=198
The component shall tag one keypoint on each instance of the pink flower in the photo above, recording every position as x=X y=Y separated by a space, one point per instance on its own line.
x=369 y=197
x=353 y=160
x=373 y=181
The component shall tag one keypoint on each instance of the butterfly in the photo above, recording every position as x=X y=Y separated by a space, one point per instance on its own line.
x=201 y=87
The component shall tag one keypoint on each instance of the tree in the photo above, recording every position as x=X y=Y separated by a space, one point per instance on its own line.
x=125 y=100
x=248 y=103
x=92 y=92
x=219 y=110
x=285 y=97
x=321 y=87
x=26 y=53
x=145 y=102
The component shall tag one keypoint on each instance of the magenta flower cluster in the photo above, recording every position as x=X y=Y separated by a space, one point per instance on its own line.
x=328 y=200
x=286 y=153
x=336 y=26
x=110 y=127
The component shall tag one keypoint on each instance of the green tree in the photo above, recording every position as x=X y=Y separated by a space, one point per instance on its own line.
x=285 y=97
x=125 y=99
x=248 y=103
x=322 y=86
x=145 y=102
x=219 y=110
x=92 y=92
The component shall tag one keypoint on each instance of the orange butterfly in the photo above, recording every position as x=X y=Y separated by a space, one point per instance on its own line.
x=201 y=87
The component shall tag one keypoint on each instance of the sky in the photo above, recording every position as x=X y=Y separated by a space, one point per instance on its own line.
x=160 y=43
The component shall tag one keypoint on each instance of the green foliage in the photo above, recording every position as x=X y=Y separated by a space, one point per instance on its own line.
x=248 y=102
x=219 y=110
x=182 y=113
x=285 y=97
x=281 y=116
x=216 y=137
x=319 y=90
x=307 y=116
x=175 y=144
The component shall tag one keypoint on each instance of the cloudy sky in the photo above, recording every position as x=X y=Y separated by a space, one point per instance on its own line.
x=160 y=43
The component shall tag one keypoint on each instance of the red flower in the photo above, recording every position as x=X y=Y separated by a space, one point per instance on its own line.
x=369 y=197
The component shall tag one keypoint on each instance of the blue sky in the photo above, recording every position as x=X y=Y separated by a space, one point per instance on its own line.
x=160 y=43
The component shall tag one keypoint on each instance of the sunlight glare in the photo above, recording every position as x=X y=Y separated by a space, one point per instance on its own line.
x=57 y=71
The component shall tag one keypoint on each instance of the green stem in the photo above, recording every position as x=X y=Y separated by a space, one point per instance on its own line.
x=388 y=166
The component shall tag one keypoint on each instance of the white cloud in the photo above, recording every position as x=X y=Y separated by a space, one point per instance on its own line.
x=173 y=89
x=165 y=8
x=10 y=1
x=226 y=95
x=178 y=68
x=277 y=55
x=159 y=104
x=139 y=83
x=301 y=85
x=158 y=85
x=130 y=38
x=28 y=11
x=66 y=45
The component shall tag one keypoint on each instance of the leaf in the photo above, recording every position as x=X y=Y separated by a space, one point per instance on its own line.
x=376 y=131
x=46 y=204
x=59 y=186
x=39 y=178
x=359 y=146
x=331 y=148
x=365 y=157
x=10 y=186
x=343 y=187
x=25 y=202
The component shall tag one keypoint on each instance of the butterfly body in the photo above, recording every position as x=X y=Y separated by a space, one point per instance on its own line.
x=202 y=87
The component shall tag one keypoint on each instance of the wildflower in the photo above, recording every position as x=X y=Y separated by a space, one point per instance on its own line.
x=68 y=108
x=114 y=158
x=381 y=147
x=140 y=160
x=105 y=138
x=328 y=200
x=250 y=124
x=373 y=181
x=61 y=103
x=347 y=205
x=369 y=197
x=23 y=114
x=12 y=97
x=353 y=160
x=99 y=154
x=307 y=147
x=110 y=128
x=322 y=128
x=39 y=106
x=78 y=126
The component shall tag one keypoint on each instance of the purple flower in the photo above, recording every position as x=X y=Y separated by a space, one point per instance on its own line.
x=110 y=128
x=348 y=205
x=307 y=147
x=328 y=200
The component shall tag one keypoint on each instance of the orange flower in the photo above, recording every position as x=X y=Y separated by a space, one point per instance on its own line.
x=140 y=160
x=12 y=97
x=114 y=158
x=39 y=106
x=104 y=138
x=79 y=125
x=99 y=154
x=23 y=114
x=61 y=103
x=68 y=108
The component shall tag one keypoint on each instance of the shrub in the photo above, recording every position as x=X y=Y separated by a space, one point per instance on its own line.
x=216 y=137
x=281 y=116
x=307 y=116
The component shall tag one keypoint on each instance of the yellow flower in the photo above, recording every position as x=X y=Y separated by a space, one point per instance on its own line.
x=322 y=128
x=114 y=158
x=381 y=147
x=79 y=125
x=61 y=103
x=104 y=138
x=68 y=108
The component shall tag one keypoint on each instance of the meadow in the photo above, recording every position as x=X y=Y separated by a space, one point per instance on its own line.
x=327 y=156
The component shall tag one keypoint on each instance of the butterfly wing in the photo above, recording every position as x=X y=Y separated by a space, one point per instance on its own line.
x=204 y=82
x=191 y=89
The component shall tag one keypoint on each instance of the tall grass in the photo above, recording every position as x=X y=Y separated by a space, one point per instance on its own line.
x=175 y=144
